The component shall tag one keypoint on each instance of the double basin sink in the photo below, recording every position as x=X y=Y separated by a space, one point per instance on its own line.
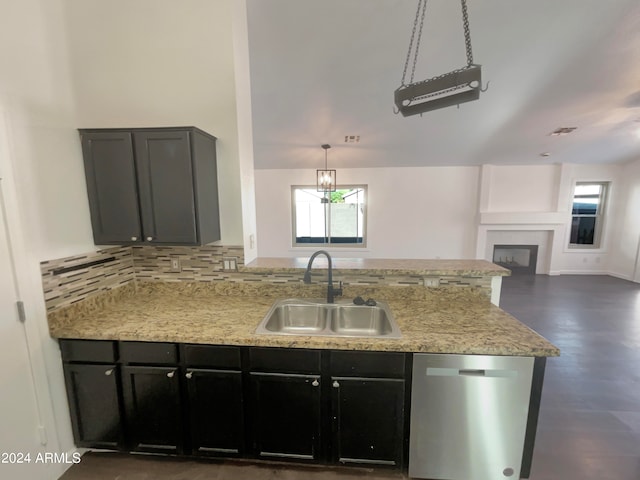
x=315 y=317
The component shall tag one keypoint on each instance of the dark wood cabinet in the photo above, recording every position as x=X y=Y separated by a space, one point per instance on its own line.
x=216 y=411
x=286 y=415
x=153 y=408
x=94 y=393
x=94 y=396
x=367 y=420
x=368 y=392
x=340 y=407
x=152 y=185
x=215 y=399
x=111 y=186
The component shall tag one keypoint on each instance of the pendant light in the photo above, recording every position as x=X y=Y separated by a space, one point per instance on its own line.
x=326 y=179
x=453 y=88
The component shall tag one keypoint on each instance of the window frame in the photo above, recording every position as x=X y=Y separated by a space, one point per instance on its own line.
x=361 y=245
x=599 y=216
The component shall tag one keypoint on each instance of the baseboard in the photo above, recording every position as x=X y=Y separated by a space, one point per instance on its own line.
x=555 y=273
x=583 y=272
x=622 y=277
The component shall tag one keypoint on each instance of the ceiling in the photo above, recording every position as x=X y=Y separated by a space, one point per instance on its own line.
x=322 y=70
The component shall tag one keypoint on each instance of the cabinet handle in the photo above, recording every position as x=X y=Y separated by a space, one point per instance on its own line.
x=149 y=239
x=189 y=374
x=171 y=374
x=315 y=383
x=336 y=384
x=134 y=239
x=109 y=372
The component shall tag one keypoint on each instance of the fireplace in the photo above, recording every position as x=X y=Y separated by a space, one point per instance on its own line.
x=517 y=258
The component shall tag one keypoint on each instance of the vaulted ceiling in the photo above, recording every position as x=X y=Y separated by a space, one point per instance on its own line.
x=323 y=70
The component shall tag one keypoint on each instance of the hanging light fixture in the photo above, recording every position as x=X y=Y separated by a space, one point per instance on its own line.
x=458 y=86
x=326 y=179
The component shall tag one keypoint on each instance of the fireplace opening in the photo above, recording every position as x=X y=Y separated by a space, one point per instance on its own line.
x=520 y=259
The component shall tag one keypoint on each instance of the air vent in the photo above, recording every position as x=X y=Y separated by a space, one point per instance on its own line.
x=562 y=131
x=352 y=139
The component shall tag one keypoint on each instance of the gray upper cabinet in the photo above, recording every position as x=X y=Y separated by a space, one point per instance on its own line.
x=152 y=185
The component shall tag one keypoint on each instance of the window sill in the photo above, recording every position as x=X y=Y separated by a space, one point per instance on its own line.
x=330 y=248
x=585 y=249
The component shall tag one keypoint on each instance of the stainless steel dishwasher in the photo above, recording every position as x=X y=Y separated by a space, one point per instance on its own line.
x=468 y=416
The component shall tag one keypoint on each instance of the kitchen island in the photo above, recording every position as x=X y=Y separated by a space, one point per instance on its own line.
x=227 y=391
x=444 y=320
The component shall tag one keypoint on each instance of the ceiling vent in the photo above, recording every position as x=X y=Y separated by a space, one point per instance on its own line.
x=352 y=139
x=562 y=131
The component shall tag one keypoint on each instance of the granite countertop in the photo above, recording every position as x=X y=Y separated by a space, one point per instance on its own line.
x=380 y=266
x=444 y=320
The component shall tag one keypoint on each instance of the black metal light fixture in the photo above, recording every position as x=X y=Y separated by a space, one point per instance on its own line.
x=453 y=88
x=326 y=179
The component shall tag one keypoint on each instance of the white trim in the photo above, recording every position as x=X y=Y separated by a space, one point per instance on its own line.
x=29 y=288
x=522 y=218
x=496 y=288
x=621 y=276
x=636 y=267
x=328 y=247
x=584 y=272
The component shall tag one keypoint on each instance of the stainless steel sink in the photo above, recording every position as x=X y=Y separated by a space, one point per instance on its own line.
x=316 y=317
x=296 y=318
x=361 y=321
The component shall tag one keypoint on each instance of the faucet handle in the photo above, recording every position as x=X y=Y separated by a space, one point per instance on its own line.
x=338 y=291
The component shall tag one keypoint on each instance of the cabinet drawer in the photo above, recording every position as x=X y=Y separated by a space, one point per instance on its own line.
x=148 y=353
x=88 y=351
x=367 y=364
x=284 y=360
x=211 y=356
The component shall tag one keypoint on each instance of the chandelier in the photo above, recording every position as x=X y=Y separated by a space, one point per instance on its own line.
x=326 y=179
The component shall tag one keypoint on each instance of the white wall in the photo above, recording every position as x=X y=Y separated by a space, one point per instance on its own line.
x=538 y=198
x=161 y=63
x=245 y=127
x=625 y=261
x=523 y=188
x=449 y=212
x=425 y=212
x=68 y=64
x=43 y=185
x=36 y=96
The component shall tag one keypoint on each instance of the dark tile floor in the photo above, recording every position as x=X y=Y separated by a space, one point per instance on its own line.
x=117 y=466
x=589 y=427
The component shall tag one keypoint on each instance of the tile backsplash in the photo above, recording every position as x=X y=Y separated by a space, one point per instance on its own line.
x=63 y=286
x=197 y=264
x=201 y=264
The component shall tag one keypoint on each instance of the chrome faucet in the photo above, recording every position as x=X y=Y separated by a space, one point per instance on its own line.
x=331 y=292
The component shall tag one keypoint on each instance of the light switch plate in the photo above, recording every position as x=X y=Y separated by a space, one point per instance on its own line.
x=431 y=282
x=176 y=267
x=230 y=264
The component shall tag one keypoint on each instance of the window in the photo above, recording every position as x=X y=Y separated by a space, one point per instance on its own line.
x=329 y=218
x=587 y=214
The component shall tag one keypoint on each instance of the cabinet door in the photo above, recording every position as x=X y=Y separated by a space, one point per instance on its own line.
x=152 y=408
x=111 y=186
x=286 y=415
x=216 y=411
x=165 y=182
x=368 y=419
x=94 y=404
